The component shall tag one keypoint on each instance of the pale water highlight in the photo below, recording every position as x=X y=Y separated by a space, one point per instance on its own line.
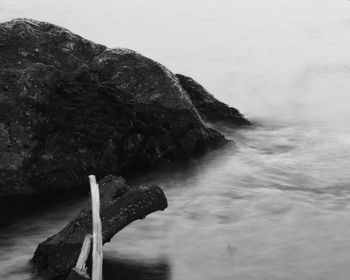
x=275 y=205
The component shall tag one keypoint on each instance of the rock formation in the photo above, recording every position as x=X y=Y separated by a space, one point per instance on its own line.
x=70 y=107
x=211 y=109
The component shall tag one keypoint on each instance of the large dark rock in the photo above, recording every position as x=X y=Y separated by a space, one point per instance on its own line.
x=120 y=205
x=70 y=107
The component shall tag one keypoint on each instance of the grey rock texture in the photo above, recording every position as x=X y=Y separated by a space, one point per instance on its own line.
x=70 y=107
x=211 y=109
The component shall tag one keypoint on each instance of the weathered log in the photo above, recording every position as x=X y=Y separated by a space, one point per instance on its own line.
x=120 y=205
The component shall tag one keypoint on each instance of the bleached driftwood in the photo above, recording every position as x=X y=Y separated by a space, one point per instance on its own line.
x=80 y=270
x=84 y=254
x=119 y=206
x=97 y=253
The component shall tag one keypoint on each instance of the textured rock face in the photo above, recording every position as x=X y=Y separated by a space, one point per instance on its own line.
x=209 y=107
x=120 y=205
x=70 y=107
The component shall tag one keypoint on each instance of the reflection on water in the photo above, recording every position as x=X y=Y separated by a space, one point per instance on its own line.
x=275 y=205
x=126 y=269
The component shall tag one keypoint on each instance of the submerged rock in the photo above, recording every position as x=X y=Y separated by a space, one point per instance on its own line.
x=120 y=205
x=70 y=107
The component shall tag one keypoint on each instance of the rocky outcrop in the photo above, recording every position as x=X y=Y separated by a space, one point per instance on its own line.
x=120 y=205
x=70 y=107
x=211 y=109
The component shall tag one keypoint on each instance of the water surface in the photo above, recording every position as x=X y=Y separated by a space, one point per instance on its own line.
x=274 y=206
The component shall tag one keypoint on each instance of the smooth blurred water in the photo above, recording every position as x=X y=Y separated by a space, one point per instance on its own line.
x=275 y=206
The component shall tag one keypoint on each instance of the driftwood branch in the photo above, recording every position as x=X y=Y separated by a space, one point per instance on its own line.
x=79 y=272
x=120 y=205
x=78 y=275
x=97 y=254
x=84 y=253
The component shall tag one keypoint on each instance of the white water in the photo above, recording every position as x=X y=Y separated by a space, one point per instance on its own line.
x=276 y=206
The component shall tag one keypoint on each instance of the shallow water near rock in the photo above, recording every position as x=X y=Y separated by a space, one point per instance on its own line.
x=274 y=206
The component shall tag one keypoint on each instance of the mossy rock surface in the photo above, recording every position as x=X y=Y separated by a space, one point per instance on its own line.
x=70 y=107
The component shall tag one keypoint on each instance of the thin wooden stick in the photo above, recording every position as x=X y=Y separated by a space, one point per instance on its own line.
x=84 y=254
x=78 y=275
x=97 y=253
